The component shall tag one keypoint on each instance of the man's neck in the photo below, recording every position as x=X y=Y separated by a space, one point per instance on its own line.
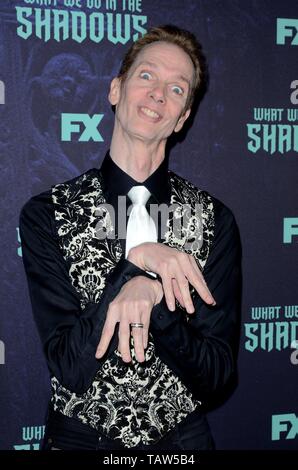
x=137 y=158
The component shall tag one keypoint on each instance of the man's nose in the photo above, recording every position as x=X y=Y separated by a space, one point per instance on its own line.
x=158 y=94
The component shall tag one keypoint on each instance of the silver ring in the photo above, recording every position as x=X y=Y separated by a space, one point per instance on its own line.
x=137 y=325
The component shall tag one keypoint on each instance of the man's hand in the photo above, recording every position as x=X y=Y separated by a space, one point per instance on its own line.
x=133 y=304
x=176 y=269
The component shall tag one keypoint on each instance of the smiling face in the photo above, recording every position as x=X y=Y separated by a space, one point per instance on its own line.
x=150 y=102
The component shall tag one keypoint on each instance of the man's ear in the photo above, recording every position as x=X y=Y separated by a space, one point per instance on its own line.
x=182 y=120
x=114 y=94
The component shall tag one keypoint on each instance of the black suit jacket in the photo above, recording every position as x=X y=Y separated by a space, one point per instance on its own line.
x=199 y=348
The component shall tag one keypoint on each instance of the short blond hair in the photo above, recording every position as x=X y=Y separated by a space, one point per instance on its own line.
x=181 y=38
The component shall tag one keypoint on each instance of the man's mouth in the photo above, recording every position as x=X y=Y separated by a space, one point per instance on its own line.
x=149 y=112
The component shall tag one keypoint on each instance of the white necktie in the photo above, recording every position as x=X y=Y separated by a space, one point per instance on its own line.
x=140 y=227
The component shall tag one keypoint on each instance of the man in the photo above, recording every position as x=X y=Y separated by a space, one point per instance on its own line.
x=133 y=355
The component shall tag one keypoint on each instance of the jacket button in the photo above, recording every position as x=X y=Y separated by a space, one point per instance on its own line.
x=141 y=371
x=160 y=316
x=50 y=441
x=181 y=351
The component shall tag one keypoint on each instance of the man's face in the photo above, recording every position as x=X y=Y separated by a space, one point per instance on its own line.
x=150 y=103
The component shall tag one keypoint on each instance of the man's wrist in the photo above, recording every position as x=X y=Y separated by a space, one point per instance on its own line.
x=134 y=257
x=158 y=291
x=154 y=285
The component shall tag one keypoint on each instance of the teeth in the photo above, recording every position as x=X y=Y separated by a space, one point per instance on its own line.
x=150 y=113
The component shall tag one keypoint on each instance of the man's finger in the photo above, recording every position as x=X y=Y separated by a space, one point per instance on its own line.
x=106 y=336
x=145 y=319
x=145 y=338
x=195 y=266
x=124 y=341
x=197 y=280
x=184 y=289
x=137 y=334
x=177 y=292
x=168 y=292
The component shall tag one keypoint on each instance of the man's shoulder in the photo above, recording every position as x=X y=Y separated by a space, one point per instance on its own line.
x=43 y=201
x=37 y=204
x=186 y=188
x=189 y=189
x=79 y=181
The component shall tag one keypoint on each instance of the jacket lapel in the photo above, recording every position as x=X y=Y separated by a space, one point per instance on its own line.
x=82 y=219
x=87 y=233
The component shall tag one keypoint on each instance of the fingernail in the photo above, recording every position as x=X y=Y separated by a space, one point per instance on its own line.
x=213 y=303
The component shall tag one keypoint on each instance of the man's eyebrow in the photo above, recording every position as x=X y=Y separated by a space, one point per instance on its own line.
x=153 y=65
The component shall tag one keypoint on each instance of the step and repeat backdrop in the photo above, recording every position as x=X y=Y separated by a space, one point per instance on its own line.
x=57 y=59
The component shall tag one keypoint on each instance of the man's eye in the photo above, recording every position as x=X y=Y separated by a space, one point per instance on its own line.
x=178 y=90
x=145 y=75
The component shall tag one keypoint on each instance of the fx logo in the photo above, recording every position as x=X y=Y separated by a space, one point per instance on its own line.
x=82 y=124
x=287 y=423
x=287 y=28
x=290 y=228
